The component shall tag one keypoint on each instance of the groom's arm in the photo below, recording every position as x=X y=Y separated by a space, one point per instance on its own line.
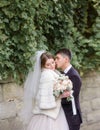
x=76 y=85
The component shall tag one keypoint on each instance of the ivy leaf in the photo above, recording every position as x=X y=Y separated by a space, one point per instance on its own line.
x=4 y=3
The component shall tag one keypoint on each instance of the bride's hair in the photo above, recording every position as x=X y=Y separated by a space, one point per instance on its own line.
x=44 y=57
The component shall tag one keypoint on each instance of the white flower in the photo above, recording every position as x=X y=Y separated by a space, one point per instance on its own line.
x=62 y=83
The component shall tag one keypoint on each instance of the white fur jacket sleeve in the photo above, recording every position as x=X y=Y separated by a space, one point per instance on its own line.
x=47 y=100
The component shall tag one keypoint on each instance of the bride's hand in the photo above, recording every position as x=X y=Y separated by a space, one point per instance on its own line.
x=65 y=94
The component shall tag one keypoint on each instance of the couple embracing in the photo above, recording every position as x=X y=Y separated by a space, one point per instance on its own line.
x=42 y=108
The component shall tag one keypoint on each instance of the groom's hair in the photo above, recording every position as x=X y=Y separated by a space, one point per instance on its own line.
x=64 y=51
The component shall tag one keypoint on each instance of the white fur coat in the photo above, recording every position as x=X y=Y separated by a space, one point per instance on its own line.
x=45 y=101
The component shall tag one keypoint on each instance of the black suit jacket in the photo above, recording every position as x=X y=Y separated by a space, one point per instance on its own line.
x=67 y=105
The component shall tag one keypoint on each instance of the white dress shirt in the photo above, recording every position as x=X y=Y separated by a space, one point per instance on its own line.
x=67 y=69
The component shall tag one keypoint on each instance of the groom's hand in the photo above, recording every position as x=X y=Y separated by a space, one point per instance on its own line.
x=65 y=94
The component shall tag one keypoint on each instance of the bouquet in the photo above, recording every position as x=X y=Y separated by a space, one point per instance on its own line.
x=62 y=83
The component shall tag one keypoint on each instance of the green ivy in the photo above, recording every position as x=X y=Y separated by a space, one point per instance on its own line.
x=18 y=38
x=28 y=26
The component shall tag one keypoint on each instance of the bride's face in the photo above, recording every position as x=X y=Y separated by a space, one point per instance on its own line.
x=50 y=64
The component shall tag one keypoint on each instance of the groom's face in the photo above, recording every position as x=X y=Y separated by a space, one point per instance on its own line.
x=61 y=61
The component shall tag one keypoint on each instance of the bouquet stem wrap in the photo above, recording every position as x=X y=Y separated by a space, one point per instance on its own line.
x=73 y=105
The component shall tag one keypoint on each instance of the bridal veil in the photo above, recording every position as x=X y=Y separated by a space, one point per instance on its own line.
x=31 y=88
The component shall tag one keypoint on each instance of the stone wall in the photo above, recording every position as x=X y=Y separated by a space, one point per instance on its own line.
x=11 y=96
x=90 y=102
x=10 y=104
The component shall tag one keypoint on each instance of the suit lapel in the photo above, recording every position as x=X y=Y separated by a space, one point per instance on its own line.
x=69 y=72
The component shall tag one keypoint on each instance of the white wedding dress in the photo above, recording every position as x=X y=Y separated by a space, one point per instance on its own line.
x=43 y=122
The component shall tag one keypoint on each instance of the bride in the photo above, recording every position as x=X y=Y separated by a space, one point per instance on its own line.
x=41 y=109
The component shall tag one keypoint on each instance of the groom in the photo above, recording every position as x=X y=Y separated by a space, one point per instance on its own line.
x=63 y=58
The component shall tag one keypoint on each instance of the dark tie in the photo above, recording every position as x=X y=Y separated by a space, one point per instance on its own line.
x=62 y=72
